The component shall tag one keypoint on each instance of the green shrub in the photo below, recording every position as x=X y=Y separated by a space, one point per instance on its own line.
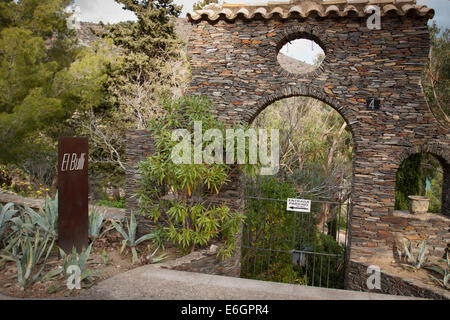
x=408 y=181
x=21 y=227
x=189 y=220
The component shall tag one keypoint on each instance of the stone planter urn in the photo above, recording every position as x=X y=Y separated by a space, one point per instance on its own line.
x=418 y=204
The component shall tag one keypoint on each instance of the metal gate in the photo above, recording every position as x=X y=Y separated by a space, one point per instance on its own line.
x=294 y=247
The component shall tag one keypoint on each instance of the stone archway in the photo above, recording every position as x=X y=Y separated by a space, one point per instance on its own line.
x=233 y=54
x=437 y=149
x=298 y=90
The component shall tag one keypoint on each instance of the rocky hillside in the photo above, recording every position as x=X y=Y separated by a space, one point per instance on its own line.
x=294 y=65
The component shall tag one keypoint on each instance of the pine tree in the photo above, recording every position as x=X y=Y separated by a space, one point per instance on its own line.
x=151 y=53
x=35 y=44
x=45 y=81
x=146 y=45
x=148 y=54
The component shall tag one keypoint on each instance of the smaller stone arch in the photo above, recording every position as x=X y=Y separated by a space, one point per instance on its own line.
x=437 y=149
x=442 y=153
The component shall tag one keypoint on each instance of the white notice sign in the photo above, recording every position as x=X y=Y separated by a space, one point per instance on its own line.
x=299 y=205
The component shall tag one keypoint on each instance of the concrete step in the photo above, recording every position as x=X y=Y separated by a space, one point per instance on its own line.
x=151 y=282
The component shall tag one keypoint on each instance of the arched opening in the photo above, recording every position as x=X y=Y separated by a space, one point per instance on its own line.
x=316 y=154
x=300 y=56
x=424 y=175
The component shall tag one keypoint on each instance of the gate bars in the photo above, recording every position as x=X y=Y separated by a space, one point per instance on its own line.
x=294 y=247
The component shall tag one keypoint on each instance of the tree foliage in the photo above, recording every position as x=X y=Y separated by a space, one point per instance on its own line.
x=135 y=64
x=314 y=141
x=420 y=174
x=436 y=77
x=35 y=48
x=316 y=150
x=51 y=87
x=150 y=53
x=434 y=192
x=408 y=181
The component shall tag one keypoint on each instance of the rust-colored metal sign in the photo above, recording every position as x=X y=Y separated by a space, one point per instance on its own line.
x=73 y=219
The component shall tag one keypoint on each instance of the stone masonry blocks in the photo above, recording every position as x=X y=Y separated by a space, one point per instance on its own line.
x=234 y=63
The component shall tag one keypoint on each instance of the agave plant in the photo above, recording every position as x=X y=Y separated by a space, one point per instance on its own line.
x=418 y=262
x=6 y=213
x=28 y=256
x=130 y=236
x=152 y=259
x=78 y=260
x=445 y=273
x=22 y=227
x=47 y=219
x=96 y=222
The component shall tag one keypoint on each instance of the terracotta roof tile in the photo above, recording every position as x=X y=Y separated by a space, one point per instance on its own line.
x=304 y=8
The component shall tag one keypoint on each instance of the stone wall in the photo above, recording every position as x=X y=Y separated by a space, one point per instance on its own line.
x=433 y=228
x=445 y=204
x=139 y=146
x=391 y=284
x=235 y=64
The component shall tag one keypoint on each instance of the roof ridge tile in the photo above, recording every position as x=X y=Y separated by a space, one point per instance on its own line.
x=305 y=8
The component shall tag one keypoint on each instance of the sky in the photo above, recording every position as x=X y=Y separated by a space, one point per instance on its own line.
x=108 y=11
